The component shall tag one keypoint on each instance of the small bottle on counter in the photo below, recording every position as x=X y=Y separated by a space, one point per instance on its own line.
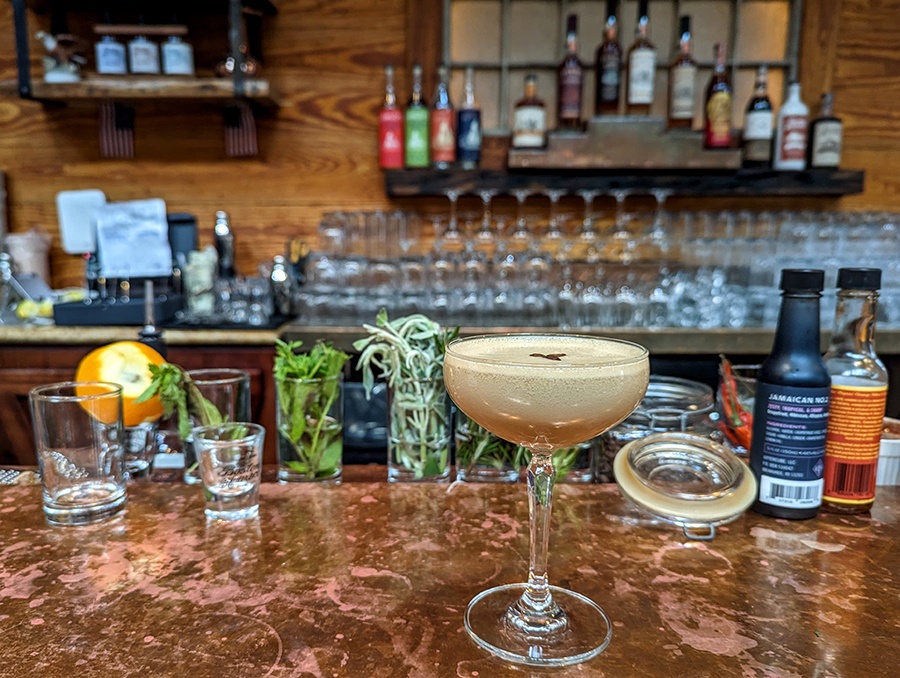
x=390 y=126
x=150 y=334
x=468 y=125
x=223 y=237
x=530 y=118
x=443 y=123
x=859 y=386
x=790 y=414
x=825 y=136
x=792 y=134
x=717 y=130
x=682 y=79
x=415 y=124
x=757 y=137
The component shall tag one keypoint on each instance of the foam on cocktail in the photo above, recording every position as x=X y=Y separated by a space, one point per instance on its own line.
x=551 y=390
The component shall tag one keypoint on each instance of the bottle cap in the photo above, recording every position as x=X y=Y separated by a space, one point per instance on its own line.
x=802 y=280
x=572 y=23
x=684 y=25
x=859 y=279
x=612 y=8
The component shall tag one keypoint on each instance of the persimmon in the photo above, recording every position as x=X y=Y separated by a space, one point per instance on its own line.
x=126 y=363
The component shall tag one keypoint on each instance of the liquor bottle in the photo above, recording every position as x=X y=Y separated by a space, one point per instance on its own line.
x=609 y=65
x=150 y=334
x=143 y=55
x=682 y=79
x=530 y=119
x=790 y=414
x=177 y=57
x=415 y=122
x=717 y=131
x=758 y=124
x=390 y=126
x=570 y=81
x=791 y=135
x=110 y=54
x=859 y=386
x=468 y=126
x=641 y=66
x=443 y=123
x=825 y=136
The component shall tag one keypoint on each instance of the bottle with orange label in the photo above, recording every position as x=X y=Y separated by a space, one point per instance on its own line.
x=443 y=123
x=859 y=385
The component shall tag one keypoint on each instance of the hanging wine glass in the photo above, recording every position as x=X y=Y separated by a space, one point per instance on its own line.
x=451 y=240
x=553 y=242
x=486 y=238
x=621 y=245
x=520 y=239
x=588 y=241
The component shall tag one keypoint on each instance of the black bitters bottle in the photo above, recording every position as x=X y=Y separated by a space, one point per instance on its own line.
x=790 y=415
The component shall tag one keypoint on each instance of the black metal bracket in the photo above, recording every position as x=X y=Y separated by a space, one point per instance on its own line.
x=23 y=58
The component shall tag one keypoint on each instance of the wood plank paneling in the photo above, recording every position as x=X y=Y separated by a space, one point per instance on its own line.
x=324 y=59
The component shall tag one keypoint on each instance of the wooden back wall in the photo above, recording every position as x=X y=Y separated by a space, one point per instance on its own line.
x=318 y=152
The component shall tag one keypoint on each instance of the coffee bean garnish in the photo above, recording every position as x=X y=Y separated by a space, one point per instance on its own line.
x=549 y=356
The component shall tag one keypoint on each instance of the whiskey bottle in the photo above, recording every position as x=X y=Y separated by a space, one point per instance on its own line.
x=177 y=56
x=110 y=54
x=859 y=387
x=530 y=118
x=608 y=65
x=717 y=132
x=641 y=66
x=468 y=126
x=443 y=123
x=390 y=126
x=570 y=81
x=757 y=136
x=825 y=136
x=682 y=79
x=791 y=136
x=415 y=123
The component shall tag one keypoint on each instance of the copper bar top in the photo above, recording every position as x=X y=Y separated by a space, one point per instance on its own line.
x=371 y=579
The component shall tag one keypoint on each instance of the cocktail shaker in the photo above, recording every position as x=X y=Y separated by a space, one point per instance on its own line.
x=224 y=242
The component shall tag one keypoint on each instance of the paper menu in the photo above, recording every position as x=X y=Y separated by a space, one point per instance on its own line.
x=133 y=239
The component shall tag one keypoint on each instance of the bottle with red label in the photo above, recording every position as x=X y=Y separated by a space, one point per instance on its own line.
x=793 y=132
x=859 y=386
x=390 y=126
x=717 y=121
x=443 y=123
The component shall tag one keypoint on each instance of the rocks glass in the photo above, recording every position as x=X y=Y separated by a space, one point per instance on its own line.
x=78 y=437
x=309 y=418
x=230 y=463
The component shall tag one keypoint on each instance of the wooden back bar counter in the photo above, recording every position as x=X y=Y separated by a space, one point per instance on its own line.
x=372 y=579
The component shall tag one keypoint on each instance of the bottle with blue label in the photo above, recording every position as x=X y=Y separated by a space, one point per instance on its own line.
x=790 y=414
x=468 y=126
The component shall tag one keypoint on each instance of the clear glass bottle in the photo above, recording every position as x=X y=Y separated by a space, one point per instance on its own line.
x=177 y=56
x=790 y=413
x=468 y=126
x=143 y=55
x=608 y=65
x=682 y=79
x=390 y=126
x=443 y=123
x=530 y=118
x=825 y=136
x=641 y=65
x=109 y=54
x=415 y=123
x=570 y=81
x=757 y=136
x=859 y=386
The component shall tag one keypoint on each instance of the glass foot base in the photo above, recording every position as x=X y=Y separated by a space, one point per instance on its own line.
x=586 y=635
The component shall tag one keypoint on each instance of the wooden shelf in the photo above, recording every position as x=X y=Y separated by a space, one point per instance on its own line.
x=742 y=182
x=183 y=8
x=155 y=88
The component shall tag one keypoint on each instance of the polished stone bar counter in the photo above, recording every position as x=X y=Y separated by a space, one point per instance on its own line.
x=371 y=579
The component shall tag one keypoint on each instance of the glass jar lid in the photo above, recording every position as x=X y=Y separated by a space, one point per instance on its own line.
x=685 y=479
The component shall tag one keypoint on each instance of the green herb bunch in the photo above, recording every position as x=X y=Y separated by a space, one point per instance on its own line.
x=178 y=393
x=310 y=439
x=476 y=446
x=408 y=353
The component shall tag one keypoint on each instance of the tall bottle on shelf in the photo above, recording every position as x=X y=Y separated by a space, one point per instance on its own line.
x=825 y=136
x=415 y=124
x=390 y=126
x=641 y=66
x=793 y=132
x=530 y=118
x=608 y=65
x=717 y=128
x=468 y=125
x=790 y=414
x=757 y=136
x=443 y=123
x=859 y=386
x=682 y=79
x=570 y=81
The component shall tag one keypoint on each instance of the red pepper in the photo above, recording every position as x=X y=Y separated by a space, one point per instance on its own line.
x=736 y=423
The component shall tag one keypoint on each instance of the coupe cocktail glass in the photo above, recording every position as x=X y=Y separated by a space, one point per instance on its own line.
x=543 y=391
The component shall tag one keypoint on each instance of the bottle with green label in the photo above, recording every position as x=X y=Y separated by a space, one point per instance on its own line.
x=416 y=124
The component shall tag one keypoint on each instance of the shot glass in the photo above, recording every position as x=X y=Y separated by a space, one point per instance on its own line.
x=140 y=447
x=230 y=457
x=78 y=437
x=228 y=391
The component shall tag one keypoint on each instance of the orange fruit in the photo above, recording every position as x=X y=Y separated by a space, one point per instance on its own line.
x=126 y=363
